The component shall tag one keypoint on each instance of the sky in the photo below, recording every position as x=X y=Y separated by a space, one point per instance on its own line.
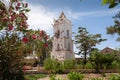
x=90 y=14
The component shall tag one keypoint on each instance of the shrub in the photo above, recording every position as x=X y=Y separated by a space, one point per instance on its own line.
x=53 y=65
x=88 y=65
x=54 y=77
x=35 y=76
x=11 y=57
x=114 y=77
x=75 y=76
x=115 y=65
x=69 y=64
x=58 y=67
x=13 y=25
x=48 y=63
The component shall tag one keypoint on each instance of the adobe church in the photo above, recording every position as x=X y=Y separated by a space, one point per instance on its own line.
x=62 y=39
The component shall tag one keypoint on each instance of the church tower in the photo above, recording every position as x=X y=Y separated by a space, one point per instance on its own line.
x=62 y=39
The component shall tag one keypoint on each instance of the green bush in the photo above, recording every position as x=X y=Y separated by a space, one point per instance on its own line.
x=88 y=65
x=114 y=77
x=54 y=77
x=58 y=67
x=11 y=56
x=54 y=65
x=69 y=64
x=35 y=76
x=115 y=65
x=75 y=76
x=48 y=63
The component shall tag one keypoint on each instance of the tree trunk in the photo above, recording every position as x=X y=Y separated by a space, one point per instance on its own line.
x=97 y=70
x=85 y=57
x=42 y=58
x=85 y=60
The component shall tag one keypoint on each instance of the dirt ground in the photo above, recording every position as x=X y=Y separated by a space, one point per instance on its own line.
x=87 y=76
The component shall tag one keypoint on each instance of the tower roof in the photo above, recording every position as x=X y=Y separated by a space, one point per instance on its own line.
x=62 y=15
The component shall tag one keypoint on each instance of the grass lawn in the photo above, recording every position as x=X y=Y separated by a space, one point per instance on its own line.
x=35 y=76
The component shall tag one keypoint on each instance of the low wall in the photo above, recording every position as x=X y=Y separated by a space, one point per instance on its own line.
x=43 y=71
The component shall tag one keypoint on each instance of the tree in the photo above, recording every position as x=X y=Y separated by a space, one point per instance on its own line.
x=13 y=24
x=39 y=44
x=115 y=29
x=112 y=3
x=85 y=41
x=101 y=60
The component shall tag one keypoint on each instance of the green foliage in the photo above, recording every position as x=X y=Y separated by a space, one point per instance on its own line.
x=112 y=3
x=88 y=65
x=115 y=64
x=13 y=22
x=11 y=56
x=75 y=76
x=69 y=64
x=58 y=67
x=34 y=76
x=115 y=29
x=39 y=43
x=48 y=63
x=114 y=77
x=54 y=77
x=54 y=65
x=105 y=2
x=100 y=60
x=85 y=41
x=96 y=79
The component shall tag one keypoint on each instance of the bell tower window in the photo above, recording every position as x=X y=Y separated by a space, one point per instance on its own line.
x=67 y=33
x=58 y=33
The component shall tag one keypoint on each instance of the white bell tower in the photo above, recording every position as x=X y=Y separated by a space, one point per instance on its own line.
x=62 y=39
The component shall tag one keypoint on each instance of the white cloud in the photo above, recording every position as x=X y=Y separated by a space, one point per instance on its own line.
x=79 y=15
x=41 y=18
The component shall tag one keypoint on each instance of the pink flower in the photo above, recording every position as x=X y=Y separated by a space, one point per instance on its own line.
x=12 y=18
x=46 y=45
x=18 y=4
x=46 y=37
x=25 y=39
x=17 y=8
x=4 y=19
x=21 y=15
x=10 y=26
x=34 y=36
x=26 y=5
x=41 y=33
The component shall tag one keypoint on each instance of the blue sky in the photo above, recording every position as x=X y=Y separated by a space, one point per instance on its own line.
x=89 y=14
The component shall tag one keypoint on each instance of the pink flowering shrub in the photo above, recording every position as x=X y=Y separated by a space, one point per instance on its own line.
x=39 y=43
x=12 y=23
x=16 y=40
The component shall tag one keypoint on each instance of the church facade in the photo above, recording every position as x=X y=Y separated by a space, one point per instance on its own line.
x=62 y=39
